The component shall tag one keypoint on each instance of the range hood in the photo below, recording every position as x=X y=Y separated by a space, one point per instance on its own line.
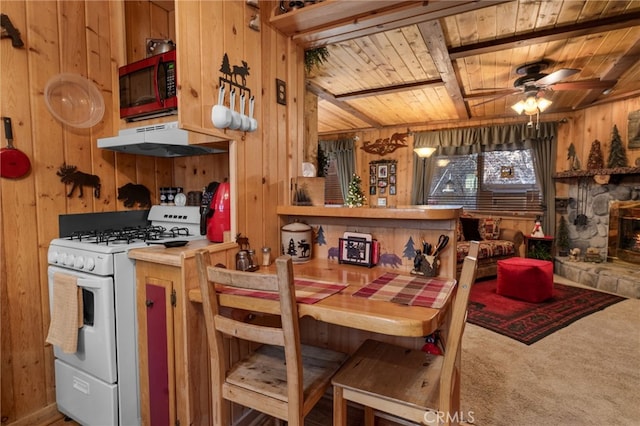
x=159 y=140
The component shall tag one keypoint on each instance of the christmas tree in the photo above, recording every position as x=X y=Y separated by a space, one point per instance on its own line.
x=596 y=160
x=617 y=154
x=562 y=239
x=355 y=197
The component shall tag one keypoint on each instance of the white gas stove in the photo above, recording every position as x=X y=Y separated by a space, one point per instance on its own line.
x=98 y=384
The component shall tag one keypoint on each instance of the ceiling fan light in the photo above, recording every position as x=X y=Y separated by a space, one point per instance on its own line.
x=424 y=151
x=518 y=107
x=543 y=104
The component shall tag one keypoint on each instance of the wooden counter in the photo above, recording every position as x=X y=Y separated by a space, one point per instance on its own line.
x=431 y=212
x=400 y=231
x=176 y=255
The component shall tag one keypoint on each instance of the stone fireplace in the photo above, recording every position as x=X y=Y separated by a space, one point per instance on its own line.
x=606 y=219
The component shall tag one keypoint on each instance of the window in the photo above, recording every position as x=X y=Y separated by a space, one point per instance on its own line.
x=332 y=190
x=492 y=180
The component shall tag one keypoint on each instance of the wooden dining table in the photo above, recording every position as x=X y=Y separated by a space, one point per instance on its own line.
x=345 y=310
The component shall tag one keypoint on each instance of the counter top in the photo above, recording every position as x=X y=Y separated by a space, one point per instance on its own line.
x=430 y=212
x=175 y=255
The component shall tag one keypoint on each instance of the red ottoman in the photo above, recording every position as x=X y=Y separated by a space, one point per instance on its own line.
x=525 y=279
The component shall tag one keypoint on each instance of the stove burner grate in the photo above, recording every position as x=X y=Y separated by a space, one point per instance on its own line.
x=128 y=235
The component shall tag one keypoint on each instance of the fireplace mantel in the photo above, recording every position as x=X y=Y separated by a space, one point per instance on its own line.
x=569 y=174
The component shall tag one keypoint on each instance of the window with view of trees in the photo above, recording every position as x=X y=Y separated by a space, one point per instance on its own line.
x=492 y=180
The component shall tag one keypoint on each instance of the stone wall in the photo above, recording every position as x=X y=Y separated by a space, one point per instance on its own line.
x=596 y=199
x=611 y=277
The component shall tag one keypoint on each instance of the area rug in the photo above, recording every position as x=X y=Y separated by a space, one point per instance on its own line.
x=529 y=322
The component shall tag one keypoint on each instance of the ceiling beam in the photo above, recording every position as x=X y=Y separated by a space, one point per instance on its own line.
x=433 y=37
x=390 y=89
x=373 y=22
x=616 y=70
x=323 y=94
x=558 y=33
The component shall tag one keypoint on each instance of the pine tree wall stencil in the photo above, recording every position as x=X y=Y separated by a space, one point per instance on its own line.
x=617 y=154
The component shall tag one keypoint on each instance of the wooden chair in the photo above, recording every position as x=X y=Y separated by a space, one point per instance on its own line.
x=409 y=384
x=281 y=378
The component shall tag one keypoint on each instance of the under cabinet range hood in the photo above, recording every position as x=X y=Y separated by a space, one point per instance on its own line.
x=160 y=140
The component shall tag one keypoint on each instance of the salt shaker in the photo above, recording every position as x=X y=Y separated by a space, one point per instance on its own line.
x=266 y=256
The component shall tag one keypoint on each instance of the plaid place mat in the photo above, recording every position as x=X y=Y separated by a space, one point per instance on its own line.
x=307 y=291
x=430 y=292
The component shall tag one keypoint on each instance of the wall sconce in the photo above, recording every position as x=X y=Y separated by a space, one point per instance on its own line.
x=424 y=152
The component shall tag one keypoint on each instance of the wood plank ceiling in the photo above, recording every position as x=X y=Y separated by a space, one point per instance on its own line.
x=455 y=66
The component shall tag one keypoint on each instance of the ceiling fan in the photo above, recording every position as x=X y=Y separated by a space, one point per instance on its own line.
x=534 y=82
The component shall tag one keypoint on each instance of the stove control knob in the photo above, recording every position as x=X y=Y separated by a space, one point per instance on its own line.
x=89 y=264
x=53 y=256
x=79 y=263
x=70 y=260
x=62 y=258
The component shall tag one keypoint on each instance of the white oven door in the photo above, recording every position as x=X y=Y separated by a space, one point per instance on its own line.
x=96 y=353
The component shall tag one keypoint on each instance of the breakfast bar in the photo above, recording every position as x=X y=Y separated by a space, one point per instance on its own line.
x=170 y=317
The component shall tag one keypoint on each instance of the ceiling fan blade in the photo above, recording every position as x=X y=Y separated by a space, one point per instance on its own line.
x=494 y=96
x=556 y=76
x=594 y=83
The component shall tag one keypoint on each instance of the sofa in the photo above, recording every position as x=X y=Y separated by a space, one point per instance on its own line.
x=496 y=243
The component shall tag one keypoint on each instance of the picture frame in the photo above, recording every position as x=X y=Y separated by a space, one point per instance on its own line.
x=382 y=183
x=392 y=178
x=356 y=251
x=382 y=201
x=392 y=190
x=382 y=191
x=392 y=168
x=372 y=190
x=372 y=180
x=634 y=130
x=372 y=170
x=382 y=171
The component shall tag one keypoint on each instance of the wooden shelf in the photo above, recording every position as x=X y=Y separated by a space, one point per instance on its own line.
x=440 y=212
x=331 y=21
x=593 y=172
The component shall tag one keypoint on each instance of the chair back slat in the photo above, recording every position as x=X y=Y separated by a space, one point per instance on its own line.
x=245 y=280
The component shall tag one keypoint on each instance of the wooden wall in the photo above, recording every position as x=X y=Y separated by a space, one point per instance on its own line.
x=88 y=38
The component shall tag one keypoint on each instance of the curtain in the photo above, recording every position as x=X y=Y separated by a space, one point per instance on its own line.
x=542 y=141
x=343 y=151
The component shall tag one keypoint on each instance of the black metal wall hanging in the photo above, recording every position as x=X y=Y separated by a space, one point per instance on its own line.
x=133 y=194
x=71 y=175
x=387 y=145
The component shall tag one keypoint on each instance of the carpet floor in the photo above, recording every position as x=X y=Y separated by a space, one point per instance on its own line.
x=529 y=322
x=586 y=374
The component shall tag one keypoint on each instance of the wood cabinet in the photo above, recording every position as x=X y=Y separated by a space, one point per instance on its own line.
x=174 y=381
x=539 y=248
